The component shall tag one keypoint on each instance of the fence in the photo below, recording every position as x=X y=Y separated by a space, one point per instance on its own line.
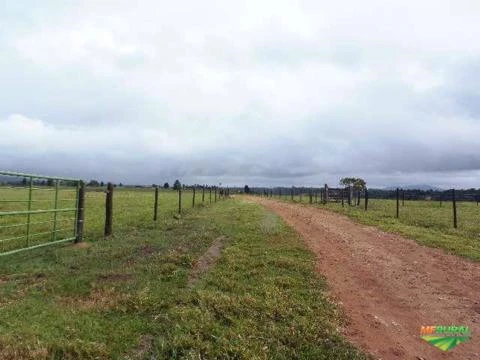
x=37 y=211
x=393 y=203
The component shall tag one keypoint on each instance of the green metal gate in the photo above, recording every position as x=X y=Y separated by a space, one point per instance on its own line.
x=37 y=211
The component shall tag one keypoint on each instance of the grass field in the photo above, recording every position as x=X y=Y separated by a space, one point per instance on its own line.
x=130 y=297
x=427 y=222
x=131 y=208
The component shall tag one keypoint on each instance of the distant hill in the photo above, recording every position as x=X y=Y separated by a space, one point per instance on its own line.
x=422 y=187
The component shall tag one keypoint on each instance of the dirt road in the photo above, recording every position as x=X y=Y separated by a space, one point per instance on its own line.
x=389 y=286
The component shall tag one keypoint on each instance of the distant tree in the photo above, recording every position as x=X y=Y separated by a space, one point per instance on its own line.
x=154 y=185
x=355 y=183
x=177 y=185
x=24 y=181
x=50 y=182
x=246 y=189
x=166 y=185
x=93 y=183
x=102 y=184
x=120 y=185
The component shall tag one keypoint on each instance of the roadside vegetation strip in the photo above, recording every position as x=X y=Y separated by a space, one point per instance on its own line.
x=262 y=300
x=128 y=297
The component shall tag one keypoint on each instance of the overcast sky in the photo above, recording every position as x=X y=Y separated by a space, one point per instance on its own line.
x=257 y=92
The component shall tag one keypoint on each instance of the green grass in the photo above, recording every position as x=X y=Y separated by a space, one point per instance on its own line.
x=424 y=221
x=131 y=208
x=127 y=297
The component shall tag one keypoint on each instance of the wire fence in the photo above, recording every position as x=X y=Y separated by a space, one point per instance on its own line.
x=37 y=211
x=457 y=208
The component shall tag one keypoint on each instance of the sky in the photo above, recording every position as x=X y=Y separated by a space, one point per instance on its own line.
x=242 y=92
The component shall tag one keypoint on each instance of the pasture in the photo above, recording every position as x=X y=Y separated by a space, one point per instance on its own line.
x=132 y=207
x=133 y=296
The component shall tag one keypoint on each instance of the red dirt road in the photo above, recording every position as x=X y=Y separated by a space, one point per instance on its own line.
x=389 y=286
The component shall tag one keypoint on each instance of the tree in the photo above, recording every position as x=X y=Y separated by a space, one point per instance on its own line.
x=355 y=183
x=177 y=185
x=102 y=184
x=24 y=181
x=246 y=189
x=50 y=182
x=93 y=183
x=166 y=185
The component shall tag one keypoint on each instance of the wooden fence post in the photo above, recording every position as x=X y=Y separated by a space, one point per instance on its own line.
x=210 y=189
x=366 y=199
x=155 y=206
x=109 y=210
x=203 y=194
x=180 y=200
x=193 y=198
x=215 y=194
x=311 y=196
x=403 y=197
x=80 y=212
x=325 y=194
x=398 y=203
x=454 y=203
x=291 y=194
x=343 y=197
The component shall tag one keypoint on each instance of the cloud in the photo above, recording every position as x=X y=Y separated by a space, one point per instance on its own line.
x=269 y=93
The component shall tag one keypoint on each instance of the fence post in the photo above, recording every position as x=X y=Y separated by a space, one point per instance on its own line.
x=454 y=203
x=215 y=194
x=325 y=194
x=155 y=206
x=343 y=197
x=358 y=198
x=366 y=199
x=403 y=197
x=398 y=202
x=180 y=200
x=210 y=189
x=109 y=210
x=311 y=196
x=291 y=195
x=80 y=212
x=203 y=194
x=193 y=198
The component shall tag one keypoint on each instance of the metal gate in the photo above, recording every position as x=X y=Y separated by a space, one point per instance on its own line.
x=37 y=211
